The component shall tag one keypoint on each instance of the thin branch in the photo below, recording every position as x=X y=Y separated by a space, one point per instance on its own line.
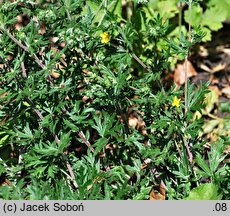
x=190 y=155
x=186 y=85
x=157 y=177
x=141 y=62
x=31 y=102
x=105 y=12
x=72 y=174
x=20 y=160
x=17 y=41
x=186 y=58
x=178 y=149
x=25 y=48
x=147 y=69
x=23 y=70
x=68 y=14
x=81 y=135
x=186 y=139
x=39 y=114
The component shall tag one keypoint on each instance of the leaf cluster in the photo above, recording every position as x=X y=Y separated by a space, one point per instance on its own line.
x=67 y=103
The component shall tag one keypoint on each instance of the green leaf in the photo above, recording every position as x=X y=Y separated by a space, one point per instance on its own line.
x=143 y=194
x=168 y=9
x=100 y=144
x=213 y=18
x=52 y=170
x=64 y=142
x=94 y=7
x=50 y=149
x=208 y=34
x=196 y=97
x=223 y=5
x=210 y=125
x=211 y=98
x=3 y=139
x=117 y=9
x=70 y=125
x=207 y=191
x=27 y=133
x=196 y=15
x=203 y=165
x=225 y=106
x=104 y=124
x=216 y=155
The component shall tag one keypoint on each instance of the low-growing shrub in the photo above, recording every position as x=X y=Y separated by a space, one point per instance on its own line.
x=84 y=111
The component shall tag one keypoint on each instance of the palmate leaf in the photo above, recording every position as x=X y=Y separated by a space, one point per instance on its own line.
x=101 y=143
x=195 y=97
x=27 y=133
x=203 y=165
x=52 y=170
x=47 y=149
x=121 y=56
x=104 y=124
x=216 y=155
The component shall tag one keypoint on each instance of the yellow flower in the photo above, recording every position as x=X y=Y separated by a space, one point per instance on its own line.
x=176 y=101
x=105 y=37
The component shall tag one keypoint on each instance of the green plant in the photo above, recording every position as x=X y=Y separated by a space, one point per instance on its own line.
x=206 y=191
x=209 y=15
x=84 y=112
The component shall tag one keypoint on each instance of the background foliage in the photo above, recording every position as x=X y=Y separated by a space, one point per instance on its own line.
x=87 y=119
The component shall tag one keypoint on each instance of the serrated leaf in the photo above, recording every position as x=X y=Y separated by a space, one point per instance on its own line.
x=203 y=165
x=100 y=144
x=70 y=125
x=52 y=170
x=64 y=142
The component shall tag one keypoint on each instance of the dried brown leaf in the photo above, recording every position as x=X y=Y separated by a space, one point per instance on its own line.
x=54 y=74
x=226 y=91
x=179 y=74
x=157 y=193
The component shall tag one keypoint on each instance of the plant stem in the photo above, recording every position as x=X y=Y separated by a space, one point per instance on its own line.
x=186 y=138
x=186 y=58
x=186 y=85
x=180 y=16
x=25 y=48
x=81 y=135
x=147 y=69
x=39 y=114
